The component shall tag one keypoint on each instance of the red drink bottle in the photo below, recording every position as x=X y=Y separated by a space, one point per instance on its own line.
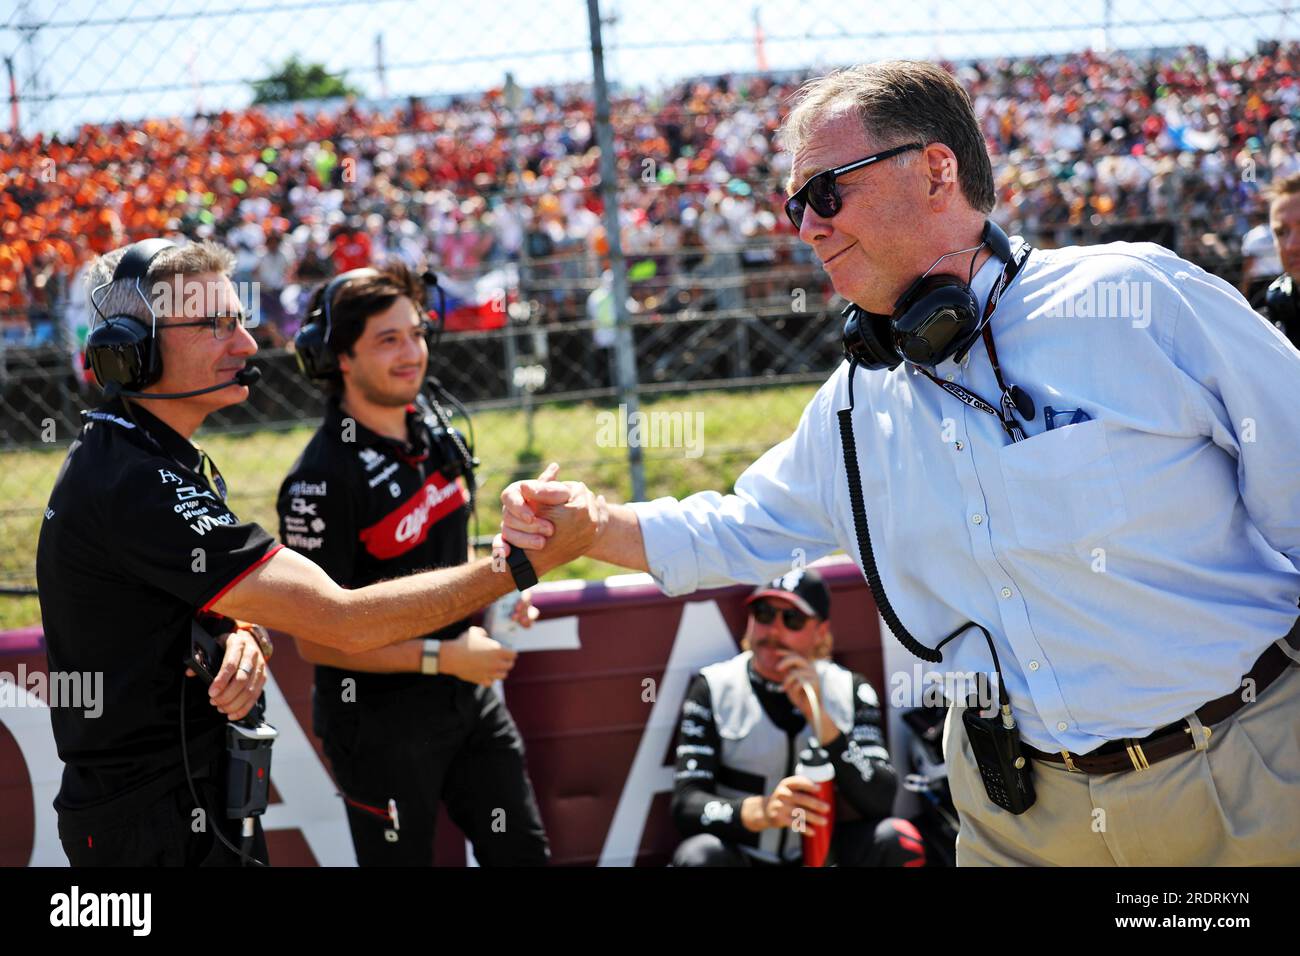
x=815 y=764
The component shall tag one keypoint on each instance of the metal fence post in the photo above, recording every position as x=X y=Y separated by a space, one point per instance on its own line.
x=624 y=347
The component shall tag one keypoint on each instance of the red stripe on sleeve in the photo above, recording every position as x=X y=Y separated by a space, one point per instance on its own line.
x=239 y=577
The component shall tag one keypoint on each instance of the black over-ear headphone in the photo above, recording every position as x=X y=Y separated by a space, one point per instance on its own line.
x=121 y=348
x=316 y=358
x=937 y=318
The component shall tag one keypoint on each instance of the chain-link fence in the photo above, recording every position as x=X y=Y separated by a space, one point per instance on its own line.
x=314 y=136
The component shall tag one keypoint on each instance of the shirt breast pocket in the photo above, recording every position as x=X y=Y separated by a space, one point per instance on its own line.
x=1063 y=489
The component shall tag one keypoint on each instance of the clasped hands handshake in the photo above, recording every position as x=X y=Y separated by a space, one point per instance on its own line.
x=556 y=521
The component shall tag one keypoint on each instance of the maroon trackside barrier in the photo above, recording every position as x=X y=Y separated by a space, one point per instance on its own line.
x=595 y=692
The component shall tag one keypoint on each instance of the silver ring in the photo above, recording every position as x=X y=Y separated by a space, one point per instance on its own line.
x=245 y=670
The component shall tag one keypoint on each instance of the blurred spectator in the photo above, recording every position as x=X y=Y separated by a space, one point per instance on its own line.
x=350 y=248
x=272 y=275
x=1086 y=147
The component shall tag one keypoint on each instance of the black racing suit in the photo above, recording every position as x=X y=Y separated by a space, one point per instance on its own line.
x=367 y=508
x=864 y=833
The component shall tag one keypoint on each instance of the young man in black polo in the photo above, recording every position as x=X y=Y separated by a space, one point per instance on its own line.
x=381 y=491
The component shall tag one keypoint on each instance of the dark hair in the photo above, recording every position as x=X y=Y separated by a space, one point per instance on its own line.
x=356 y=300
x=902 y=101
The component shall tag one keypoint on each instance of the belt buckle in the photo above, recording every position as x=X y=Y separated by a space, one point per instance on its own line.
x=1069 y=762
x=1135 y=754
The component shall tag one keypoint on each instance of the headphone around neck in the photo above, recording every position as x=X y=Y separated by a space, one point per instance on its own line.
x=936 y=318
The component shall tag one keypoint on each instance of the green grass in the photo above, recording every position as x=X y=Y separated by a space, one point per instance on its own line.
x=737 y=426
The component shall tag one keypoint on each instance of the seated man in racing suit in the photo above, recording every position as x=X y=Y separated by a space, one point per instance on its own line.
x=737 y=798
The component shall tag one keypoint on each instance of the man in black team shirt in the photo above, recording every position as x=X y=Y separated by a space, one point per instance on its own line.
x=138 y=541
x=737 y=798
x=381 y=491
x=1280 y=302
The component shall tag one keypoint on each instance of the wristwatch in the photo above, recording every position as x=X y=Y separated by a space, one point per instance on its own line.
x=260 y=635
x=429 y=656
x=521 y=569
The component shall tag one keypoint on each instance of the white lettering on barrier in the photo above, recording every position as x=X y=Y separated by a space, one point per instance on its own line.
x=309 y=796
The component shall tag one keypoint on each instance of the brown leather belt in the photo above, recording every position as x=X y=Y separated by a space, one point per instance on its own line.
x=1115 y=756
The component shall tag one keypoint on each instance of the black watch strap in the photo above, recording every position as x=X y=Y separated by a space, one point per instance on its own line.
x=521 y=569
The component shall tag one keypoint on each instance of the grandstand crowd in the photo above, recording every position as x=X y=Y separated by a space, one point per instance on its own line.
x=1172 y=146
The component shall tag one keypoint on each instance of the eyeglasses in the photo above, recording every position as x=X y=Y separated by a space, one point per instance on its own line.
x=223 y=324
x=765 y=613
x=821 y=193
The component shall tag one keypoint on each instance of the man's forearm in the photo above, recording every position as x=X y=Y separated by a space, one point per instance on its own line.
x=289 y=593
x=621 y=543
x=415 y=605
x=403 y=658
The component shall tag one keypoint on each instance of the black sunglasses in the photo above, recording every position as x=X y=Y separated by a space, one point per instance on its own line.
x=821 y=193
x=765 y=613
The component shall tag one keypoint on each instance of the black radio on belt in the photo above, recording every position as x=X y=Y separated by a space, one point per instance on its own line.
x=248 y=741
x=1006 y=772
x=248 y=764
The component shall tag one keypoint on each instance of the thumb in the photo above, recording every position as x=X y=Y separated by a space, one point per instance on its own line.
x=549 y=472
x=538 y=492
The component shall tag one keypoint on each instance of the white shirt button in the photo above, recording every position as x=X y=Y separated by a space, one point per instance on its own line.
x=1006 y=592
x=1062 y=725
x=948 y=378
x=1033 y=665
x=977 y=519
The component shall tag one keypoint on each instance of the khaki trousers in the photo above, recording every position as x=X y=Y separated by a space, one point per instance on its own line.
x=1234 y=803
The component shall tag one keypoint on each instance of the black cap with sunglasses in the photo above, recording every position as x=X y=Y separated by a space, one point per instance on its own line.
x=803 y=587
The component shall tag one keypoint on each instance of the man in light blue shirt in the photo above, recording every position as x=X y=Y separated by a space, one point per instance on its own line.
x=1137 y=565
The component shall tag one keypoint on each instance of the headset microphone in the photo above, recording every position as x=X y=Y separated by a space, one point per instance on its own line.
x=245 y=376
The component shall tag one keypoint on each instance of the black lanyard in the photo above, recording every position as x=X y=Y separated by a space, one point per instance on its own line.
x=208 y=471
x=1015 y=400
